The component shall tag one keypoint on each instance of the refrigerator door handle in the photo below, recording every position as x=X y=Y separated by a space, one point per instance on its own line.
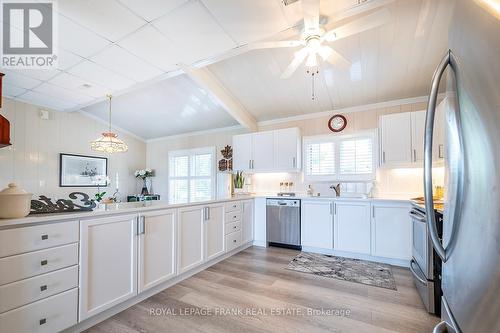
x=448 y=59
x=440 y=328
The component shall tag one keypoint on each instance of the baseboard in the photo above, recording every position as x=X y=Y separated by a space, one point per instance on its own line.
x=89 y=322
x=260 y=243
x=390 y=261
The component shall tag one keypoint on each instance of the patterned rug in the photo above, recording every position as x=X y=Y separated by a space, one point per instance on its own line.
x=354 y=270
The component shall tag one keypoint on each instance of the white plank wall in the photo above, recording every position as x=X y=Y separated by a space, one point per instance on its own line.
x=33 y=159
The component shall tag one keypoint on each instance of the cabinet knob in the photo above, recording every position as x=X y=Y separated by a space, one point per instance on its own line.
x=43 y=288
x=234 y=240
x=234 y=227
x=43 y=321
x=45 y=237
x=43 y=262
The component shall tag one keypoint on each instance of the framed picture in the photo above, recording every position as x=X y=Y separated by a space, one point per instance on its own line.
x=82 y=171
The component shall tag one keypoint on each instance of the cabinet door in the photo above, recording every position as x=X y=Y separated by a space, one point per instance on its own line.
x=287 y=147
x=317 y=224
x=263 y=151
x=352 y=227
x=247 y=221
x=108 y=263
x=391 y=231
x=190 y=238
x=439 y=132
x=242 y=152
x=214 y=231
x=417 y=136
x=259 y=222
x=156 y=248
x=396 y=138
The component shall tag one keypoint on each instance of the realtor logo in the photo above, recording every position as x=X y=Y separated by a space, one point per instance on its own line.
x=28 y=31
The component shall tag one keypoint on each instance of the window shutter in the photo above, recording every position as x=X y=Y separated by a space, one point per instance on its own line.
x=320 y=159
x=356 y=156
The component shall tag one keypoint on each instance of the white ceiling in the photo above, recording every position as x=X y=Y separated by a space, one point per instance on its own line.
x=131 y=48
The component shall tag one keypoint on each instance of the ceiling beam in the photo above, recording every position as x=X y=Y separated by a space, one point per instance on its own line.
x=204 y=78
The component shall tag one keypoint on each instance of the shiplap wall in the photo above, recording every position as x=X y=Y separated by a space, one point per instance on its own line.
x=33 y=160
x=406 y=182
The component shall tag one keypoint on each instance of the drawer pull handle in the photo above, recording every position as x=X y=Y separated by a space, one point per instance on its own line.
x=234 y=216
x=45 y=237
x=234 y=240
x=234 y=227
x=43 y=262
x=43 y=288
x=43 y=321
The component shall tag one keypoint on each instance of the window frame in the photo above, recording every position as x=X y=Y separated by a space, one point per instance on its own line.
x=191 y=153
x=336 y=140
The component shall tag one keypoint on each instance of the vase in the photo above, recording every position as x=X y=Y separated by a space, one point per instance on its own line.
x=144 y=190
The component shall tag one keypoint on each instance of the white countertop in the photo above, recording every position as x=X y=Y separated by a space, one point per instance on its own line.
x=135 y=207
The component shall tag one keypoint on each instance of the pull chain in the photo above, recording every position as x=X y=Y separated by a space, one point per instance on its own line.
x=312 y=72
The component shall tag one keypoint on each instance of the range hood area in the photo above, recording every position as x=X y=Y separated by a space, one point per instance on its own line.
x=4 y=123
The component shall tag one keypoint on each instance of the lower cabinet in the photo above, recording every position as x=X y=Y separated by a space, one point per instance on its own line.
x=391 y=231
x=214 y=231
x=108 y=263
x=317 y=224
x=247 y=221
x=352 y=226
x=157 y=248
x=190 y=237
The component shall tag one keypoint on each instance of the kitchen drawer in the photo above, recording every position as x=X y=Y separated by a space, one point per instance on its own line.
x=21 y=240
x=233 y=217
x=233 y=240
x=26 y=265
x=232 y=227
x=49 y=315
x=26 y=291
x=233 y=206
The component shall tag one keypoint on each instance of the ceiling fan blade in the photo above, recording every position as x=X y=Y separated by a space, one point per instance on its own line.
x=310 y=9
x=333 y=57
x=297 y=60
x=276 y=44
x=364 y=23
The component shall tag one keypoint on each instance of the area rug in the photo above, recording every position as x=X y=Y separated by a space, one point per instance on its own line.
x=353 y=270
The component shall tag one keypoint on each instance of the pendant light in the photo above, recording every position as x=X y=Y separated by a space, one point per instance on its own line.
x=109 y=142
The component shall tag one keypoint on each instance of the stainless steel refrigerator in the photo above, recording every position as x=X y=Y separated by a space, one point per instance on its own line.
x=470 y=247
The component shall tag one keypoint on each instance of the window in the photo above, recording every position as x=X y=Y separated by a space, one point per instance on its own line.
x=191 y=175
x=345 y=157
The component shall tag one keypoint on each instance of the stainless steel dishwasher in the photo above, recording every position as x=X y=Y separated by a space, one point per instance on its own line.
x=283 y=223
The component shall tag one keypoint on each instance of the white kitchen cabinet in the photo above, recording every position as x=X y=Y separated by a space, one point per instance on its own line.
x=287 y=143
x=439 y=132
x=247 y=221
x=108 y=263
x=269 y=151
x=259 y=222
x=190 y=237
x=157 y=248
x=242 y=152
x=352 y=226
x=391 y=231
x=417 y=136
x=214 y=231
x=263 y=152
x=317 y=224
x=395 y=130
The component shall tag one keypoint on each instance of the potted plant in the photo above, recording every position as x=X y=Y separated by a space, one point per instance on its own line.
x=238 y=181
x=144 y=174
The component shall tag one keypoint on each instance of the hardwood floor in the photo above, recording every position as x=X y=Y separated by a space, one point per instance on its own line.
x=256 y=282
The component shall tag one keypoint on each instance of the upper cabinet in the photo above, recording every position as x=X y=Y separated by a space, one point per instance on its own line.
x=395 y=134
x=402 y=138
x=270 y=151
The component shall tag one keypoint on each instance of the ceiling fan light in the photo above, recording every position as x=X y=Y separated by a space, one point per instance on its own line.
x=325 y=52
x=311 y=60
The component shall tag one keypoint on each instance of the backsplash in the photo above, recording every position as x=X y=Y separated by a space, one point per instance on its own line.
x=404 y=182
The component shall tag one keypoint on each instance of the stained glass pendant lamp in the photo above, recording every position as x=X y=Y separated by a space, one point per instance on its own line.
x=109 y=142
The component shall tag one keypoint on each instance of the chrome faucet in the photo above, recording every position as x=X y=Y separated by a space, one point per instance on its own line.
x=336 y=188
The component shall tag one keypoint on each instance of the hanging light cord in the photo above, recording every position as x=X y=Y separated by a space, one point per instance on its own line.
x=109 y=96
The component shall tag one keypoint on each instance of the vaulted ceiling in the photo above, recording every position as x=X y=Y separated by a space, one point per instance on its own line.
x=131 y=48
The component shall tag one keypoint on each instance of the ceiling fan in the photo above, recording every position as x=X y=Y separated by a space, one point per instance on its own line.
x=314 y=37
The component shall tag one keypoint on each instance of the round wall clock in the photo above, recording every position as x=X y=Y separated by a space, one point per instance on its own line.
x=337 y=123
